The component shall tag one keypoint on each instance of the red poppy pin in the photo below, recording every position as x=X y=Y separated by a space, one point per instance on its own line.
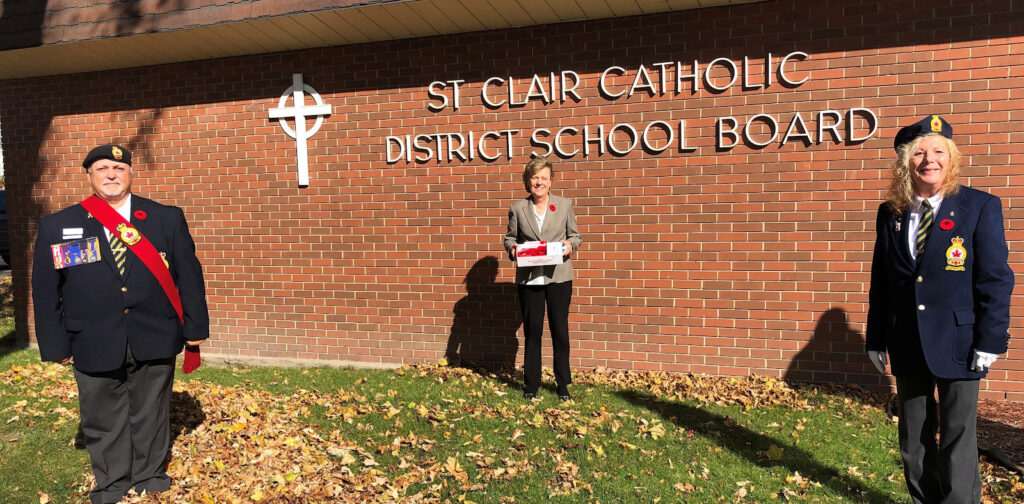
x=139 y=214
x=946 y=225
x=552 y=208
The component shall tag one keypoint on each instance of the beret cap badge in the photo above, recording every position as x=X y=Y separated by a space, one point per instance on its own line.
x=930 y=125
x=112 y=152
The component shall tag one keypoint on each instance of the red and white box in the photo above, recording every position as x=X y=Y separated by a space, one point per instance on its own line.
x=539 y=253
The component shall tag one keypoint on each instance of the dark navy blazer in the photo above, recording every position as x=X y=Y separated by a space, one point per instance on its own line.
x=92 y=313
x=928 y=314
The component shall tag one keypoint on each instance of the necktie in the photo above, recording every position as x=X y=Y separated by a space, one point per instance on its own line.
x=118 y=248
x=924 y=228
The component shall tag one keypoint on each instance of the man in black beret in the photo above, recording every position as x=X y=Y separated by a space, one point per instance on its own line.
x=118 y=291
x=939 y=303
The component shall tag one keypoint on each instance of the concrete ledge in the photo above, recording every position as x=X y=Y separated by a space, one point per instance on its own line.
x=237 y=360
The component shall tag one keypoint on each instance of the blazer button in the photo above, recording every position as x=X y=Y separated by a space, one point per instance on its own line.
x=920 y=307
x=126 y=310
x=125 y=289
x=920 y=279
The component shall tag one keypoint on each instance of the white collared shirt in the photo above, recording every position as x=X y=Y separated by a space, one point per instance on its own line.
x=125 y=211
x=914 y=220
x=540 y=226
x=539 y=217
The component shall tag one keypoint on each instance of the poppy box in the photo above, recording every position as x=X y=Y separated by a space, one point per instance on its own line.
x=539 y=253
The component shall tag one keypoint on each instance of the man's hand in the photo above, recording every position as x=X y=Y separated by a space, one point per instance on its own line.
x=982 y=361
x=66 y=361
x=193 y=343
x=879 y=359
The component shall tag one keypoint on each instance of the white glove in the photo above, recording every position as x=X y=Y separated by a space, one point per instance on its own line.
x=879 y=359
x=983 y=360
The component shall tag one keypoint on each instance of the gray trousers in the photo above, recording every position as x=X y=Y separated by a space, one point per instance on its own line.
x=945 y=472
x=125 y=416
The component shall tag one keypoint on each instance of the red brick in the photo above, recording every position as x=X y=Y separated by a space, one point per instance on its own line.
x=725 y=262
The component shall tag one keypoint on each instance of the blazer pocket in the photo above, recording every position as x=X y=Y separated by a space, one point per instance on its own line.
x=963 y=338
x=964 y=315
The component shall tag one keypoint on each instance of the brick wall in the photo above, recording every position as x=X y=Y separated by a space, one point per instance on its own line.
x=714 y=260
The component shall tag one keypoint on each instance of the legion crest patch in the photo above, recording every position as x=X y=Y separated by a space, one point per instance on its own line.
x=128 y=234
x=956 y=255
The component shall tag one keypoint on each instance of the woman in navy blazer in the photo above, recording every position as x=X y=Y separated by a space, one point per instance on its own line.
x=940 y=305
x=544 y=217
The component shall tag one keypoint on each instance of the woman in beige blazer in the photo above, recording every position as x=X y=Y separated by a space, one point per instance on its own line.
x=544 y=217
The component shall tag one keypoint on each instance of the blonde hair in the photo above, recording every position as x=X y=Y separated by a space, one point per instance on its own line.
x=901 y=192
x=535 y=165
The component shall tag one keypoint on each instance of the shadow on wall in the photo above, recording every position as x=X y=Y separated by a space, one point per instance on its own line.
x=835 y=354
x=22 y=24
x=486 y=320
x=28 y=207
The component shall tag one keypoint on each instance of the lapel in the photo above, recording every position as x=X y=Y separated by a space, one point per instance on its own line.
x=900 y=239
x=955 y=209
x=531 y=218
x=96 y=229
x=555 y=220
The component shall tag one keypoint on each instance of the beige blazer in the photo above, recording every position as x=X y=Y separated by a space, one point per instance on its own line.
x=559 y=224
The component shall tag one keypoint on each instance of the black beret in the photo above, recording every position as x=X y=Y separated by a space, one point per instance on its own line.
x=108 y=151
x=930 y=124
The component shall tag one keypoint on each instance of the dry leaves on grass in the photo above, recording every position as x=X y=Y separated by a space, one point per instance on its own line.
x=236 y=445
x=40 y=384
x=253 y=446
x=749 y=391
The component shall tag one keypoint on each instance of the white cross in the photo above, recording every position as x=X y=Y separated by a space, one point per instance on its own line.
x=298 y=113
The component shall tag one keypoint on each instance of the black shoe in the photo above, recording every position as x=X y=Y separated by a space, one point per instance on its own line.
x=529 y=396
x=563 y=394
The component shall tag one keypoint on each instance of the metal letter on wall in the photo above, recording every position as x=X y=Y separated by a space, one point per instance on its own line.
x=299 y=113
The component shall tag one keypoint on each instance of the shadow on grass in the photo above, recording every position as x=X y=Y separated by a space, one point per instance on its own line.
x=186 y=415
x=1002 y=444
x=752 y=446
x=9 y=343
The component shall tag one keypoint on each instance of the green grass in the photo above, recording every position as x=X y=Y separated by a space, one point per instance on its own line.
x=37 y=453
x=443 y=434
x=609 y=445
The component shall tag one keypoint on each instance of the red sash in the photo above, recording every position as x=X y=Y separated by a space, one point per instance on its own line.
x=141 y=247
